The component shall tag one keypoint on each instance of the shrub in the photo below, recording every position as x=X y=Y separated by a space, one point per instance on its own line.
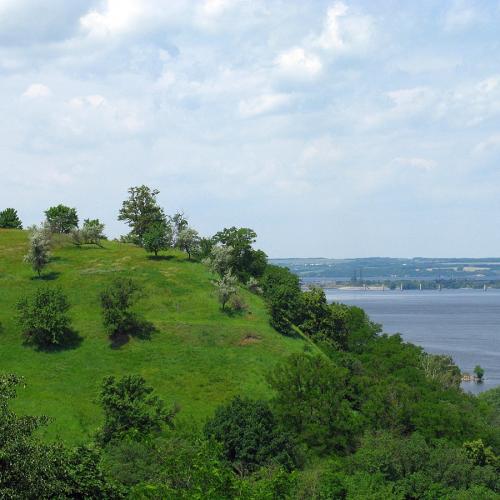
x=9 y=219
x=116 y=302
x=131 y=408
x=250 y=435
x=91 y=233
x=237 y=303
x=253 y=286
x=227 y=287
x=38 y=248
x=43 y=317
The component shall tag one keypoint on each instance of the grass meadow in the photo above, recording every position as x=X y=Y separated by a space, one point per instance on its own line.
x=198 y=357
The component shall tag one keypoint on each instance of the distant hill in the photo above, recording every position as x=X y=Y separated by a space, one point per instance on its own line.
x=198 y=358
x=385 y=268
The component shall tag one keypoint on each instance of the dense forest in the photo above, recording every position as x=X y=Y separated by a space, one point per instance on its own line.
x=355 y=413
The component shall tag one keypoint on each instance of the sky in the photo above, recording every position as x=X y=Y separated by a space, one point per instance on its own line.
x=333 y=129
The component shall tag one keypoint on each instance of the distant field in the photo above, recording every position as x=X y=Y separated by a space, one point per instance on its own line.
x=198 y=358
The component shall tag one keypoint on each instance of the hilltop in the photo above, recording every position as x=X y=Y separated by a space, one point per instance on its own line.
x=198 y=358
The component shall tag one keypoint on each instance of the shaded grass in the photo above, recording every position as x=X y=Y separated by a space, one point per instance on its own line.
x=196 y=357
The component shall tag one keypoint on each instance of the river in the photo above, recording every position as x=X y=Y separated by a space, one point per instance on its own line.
x=462 y=323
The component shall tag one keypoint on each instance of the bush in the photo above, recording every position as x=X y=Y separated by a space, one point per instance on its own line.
x=131 y=408
x=91 y=233
x=38 y=249
x=250 y=435
x=116 y=302
x=227 y=287
x=237 y=303
x=44 y=319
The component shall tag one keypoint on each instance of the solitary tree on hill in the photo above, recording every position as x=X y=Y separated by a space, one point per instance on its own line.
x=61 y=219
x=38 y=250
x=157 y=237
x=44 y=317
x=140 y=211
x=9 y=219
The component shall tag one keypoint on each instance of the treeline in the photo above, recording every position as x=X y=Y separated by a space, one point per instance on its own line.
x=359 y=414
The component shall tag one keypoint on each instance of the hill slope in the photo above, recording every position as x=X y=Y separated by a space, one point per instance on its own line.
x=198 y=357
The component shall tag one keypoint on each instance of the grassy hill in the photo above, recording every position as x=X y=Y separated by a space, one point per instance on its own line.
x=198 y=357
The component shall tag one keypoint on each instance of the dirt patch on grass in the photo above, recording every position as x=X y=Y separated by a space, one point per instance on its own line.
x=249 y=339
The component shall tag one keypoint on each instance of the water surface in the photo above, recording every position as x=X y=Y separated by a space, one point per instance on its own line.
x=462 y=323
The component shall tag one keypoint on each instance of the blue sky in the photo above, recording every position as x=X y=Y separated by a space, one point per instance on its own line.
x=333 y=129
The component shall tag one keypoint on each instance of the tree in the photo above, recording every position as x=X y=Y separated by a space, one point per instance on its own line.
x=38 y=250
x=178 y=222
x=281 y=289
x=188 y=240
x=221 y=259
x=130 y=407
x=440 y=367
x=9 y=219
x=157 y=237
x=33 y=469
x=227 y=287
x=250 y=435
x=246 y=261
x=44 y=317
x=91 y=233
x=141 y=210
x=313 y=402
x=61 y=219
x=479 y=372
x=116 y=302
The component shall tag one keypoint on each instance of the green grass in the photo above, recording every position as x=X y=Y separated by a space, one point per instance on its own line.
x=198 y=357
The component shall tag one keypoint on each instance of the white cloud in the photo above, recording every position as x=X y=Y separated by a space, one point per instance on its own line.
x=118 y=16
x=263 y=104
x=299 y=64
x=345 y=32
x=37 y=90
x=418 y=163
x=491 y=143
x=461 y=15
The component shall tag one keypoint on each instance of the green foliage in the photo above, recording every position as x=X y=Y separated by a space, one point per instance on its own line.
x=479 y=372
x=323 y=322
x=31 y=469
x=141 y=210
x=157 y=237
x=440 y=368
x=9 y=219
x=313 y=402
x=416 y=469
x=281 y=290
x=480 y=454
x=246 y=261
x=61 y=219
x=188 y=467
x=188 y=241
x=250 y=435
x=38 y=248
x=44 y=318
x=116 y=303
x=130 y=408
x=91 y=233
